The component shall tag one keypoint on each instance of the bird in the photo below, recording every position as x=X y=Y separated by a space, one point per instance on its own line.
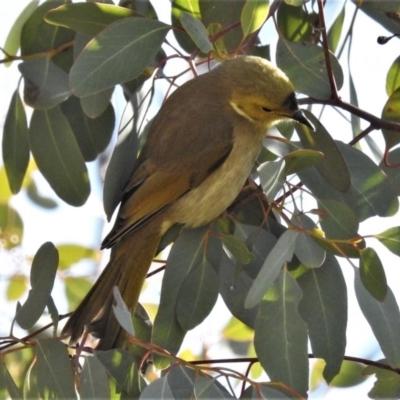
x=199 y=151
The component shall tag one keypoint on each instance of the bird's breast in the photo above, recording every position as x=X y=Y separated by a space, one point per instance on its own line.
x=216 y=193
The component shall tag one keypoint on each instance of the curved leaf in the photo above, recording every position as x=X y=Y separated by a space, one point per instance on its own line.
x=197 y=296
x=293 y=22
x=281 y=253
x=391 y=112
x=298 y=160
x=55 y=377
x=93 y=383
x=254 y=14
x=118 y=54
x=333 y=167
x=281 y=335
x=196 y=30
x=372 y=274
x=92 y=134
x=337 y=219
x=393 y=77
x=43 y=273
x=15 y=144
x=304 y=64
x=391 y=239
x=46 y=85
x=384 y=319
x=95 y=105
x=324 y=308
x=370 y=193
x=58 y=157
x=272 y=175
x=87 y=18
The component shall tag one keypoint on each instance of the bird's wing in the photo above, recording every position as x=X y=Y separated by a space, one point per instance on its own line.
x=157 y=183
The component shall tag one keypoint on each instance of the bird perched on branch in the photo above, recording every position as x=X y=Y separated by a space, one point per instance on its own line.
x=199 y=151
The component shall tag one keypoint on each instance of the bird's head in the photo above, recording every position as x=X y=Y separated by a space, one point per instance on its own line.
x=261 y=92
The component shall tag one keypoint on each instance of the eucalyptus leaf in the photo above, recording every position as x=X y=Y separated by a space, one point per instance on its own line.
x=304 y=64
x=15 y=144
x=87 y=18
x=93 y=381
x=196 y=30
x=254 y=14
x=393 y=77
x=391 y=239
x=282 y=252
x=58 y=156
x=324 y=308
x=55 y=377
x=43 y=273
x=117 y=54
x=280 y=331
x=384 y=319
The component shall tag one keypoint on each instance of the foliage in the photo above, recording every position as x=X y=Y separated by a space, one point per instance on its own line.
x=273 y=258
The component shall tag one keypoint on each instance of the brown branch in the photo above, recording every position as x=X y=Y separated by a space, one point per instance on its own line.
x=376 y=122
x=325 y=46
x=48 y=53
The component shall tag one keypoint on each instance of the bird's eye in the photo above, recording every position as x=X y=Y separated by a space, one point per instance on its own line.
x=266 y=109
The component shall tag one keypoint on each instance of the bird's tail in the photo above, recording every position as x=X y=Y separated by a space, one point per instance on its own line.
x=129 y=263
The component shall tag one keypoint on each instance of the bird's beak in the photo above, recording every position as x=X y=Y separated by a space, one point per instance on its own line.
x=300 y=117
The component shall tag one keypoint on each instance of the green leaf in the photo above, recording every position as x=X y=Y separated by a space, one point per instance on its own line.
x=392 y=172
x=178 y=7
x=236 y=279
x=11 y=227
x=218 y=12
x=350 y=375
x=281 y=253
x=299 y=160
x=38 y=36
x=387 y=384
x=293 y=22
x=304 y=64
x=272 y=175
x=118 y=54
x=122 y=313
x=12 y=42
x=206 y=388
x=7 y=381
x=158 y=389
x=281 y=335
x=196 y=30
x=122 y=367
x=333 y=167
x=370 y=193
x=187 y=254
x=87 y=18
x=92 y=134
x=393 y=77
x=254 y=14
x=181 y=382
x=391 y=112
x=43 y=273
x=93 y=381
x=355 y=120
x=15 y=143
x=337 y=219
x=237 y=248
x=119 y=170
x=55 y=377
x=58 y=157
x=391 y=239
x=96 y=104
x=46 y=85
x=197 y=295
x=71 y=254
x=265 y=391
x=324 y=308
x=372 y=274
x=335 y=31
x=307 y=250
x=384 y=319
